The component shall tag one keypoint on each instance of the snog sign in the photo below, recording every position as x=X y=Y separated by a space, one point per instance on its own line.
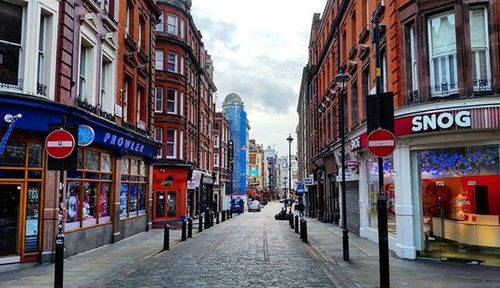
x=443 y=120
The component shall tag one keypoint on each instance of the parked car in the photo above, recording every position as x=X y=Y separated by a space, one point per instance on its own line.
x=238 y=206
x=254 y=206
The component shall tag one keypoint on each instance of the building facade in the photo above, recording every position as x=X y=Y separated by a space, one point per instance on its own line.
x=184 y=113
x=440 y=203
x=221 y=161
x=234 y=110
x=67 y=78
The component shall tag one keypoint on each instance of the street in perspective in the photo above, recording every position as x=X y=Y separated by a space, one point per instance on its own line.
x=248 y=250
x=222 y=143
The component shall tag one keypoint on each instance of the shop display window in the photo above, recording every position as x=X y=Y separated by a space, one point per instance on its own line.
x=171 y=204
x=460 y=196
x=373 y=191
x=88 y=190
x=133 y=190
x=23 y=161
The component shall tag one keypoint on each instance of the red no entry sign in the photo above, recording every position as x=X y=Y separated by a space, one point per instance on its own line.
x=381 y=142
x=59 y=144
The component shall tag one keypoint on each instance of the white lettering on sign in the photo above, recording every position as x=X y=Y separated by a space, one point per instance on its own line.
x=444 y=121
x=355 y=143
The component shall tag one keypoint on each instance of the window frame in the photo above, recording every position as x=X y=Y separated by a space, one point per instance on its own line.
x=169 y=101
x=159 y=100
x=172 y=28
x=174 y=144
x=174 y=63
x=486 y=49
x=159 y=60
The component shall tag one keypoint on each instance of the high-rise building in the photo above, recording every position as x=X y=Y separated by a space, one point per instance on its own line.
x=234 y=110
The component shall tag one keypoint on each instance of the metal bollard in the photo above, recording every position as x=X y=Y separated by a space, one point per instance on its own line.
x=223 y=215
x=59 y=265
x=290 y=221
x=212 y=219
x=230 y=213
x=207 y=219
x=190 y=227
x=303 y=230
x=297 y=224
x=200 y=223
x=166 y=237
x=183 y=235
x=217 y=217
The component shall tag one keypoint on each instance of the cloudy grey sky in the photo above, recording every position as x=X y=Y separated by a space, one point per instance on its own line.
x=259 y=48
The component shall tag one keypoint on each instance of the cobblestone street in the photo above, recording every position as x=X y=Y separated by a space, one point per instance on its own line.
x=250 y=250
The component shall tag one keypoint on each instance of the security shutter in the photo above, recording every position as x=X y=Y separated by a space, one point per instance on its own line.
x=352 y=206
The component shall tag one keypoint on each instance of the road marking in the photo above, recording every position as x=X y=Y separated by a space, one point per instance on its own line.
x=214 y=247
x=265 y=244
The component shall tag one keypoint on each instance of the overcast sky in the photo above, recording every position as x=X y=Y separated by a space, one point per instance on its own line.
x=259 y=48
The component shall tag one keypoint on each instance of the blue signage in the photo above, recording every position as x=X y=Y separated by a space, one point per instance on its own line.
x=86 y=135
x=299 y=189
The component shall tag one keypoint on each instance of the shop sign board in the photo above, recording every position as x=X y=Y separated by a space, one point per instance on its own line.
x=308 y=181
x=352 y=163
x=442 y=120
x=59 y=144
x=381 y=143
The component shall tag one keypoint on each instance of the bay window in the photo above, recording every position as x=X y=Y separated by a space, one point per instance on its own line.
x=159 y=99
x=172 y=101
x=172 y=62
x=159 y=60
x=481 y=74
x=41 y=85
x=172 y=24
x=159 y=138
x=442 y=55
x=171 y=143
x=159 y=25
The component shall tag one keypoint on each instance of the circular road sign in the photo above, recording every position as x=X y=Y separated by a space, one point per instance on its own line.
x=59 y=144
x=381 y=142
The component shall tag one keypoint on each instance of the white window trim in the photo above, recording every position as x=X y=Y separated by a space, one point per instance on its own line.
x=176 y=57
x=216 y=160
x=88 y=39
x=181 y=144
x=174 y=149
x=486 y=50
x=175 y=101
x=438 y=93
x=413 y=57
x=156 y=100
x=159 y=64
x=174 y=26
x=159 y=138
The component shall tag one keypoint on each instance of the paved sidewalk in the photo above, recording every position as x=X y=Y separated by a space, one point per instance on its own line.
x=97 y=264
x=325 y=241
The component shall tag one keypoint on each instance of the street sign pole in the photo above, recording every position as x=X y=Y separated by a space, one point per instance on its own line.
x=383 y=242
x=59 y=144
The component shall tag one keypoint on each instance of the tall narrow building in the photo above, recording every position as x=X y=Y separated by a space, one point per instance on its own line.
x=234 y=110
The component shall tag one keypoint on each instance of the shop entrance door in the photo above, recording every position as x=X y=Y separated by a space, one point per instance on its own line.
x=10 y=195
x=166 y=205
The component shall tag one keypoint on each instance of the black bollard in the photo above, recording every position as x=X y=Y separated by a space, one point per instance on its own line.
x=207 y=219
x=217 y=217
x=58 y=281
x=223 y=215
x=290 y=220
x=166 y=237
x=190 y=227
x=183 y=235
x=212 y=219
x=303 y=230
x=200 y=223
x=230 y=213
x=297 y=224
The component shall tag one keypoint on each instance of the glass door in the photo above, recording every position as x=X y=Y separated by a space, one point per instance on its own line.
x=159 y=205
x=10 y=195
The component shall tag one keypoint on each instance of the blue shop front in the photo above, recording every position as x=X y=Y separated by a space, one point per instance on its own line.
x=106 y=198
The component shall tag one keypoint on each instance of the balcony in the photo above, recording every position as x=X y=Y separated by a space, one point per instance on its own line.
x=41 y=89
x=18 y=86
x=85 y=105
x=413 y=97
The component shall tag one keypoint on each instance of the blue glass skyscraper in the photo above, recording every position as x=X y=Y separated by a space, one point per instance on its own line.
x=234 y=110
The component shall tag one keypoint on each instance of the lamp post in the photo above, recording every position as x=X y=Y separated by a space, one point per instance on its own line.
x=230 y=152
x=290 y=139
x=341 y=79
x=383 y=241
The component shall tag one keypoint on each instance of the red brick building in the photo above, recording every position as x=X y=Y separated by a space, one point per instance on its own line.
x=184 y=114
x=439 y=61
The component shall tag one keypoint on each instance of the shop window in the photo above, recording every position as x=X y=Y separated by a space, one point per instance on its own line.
x=443 y=55
x=32 y=217
x=88 y=190
x=133 y=188
x=171 y=204
x=460 y=201
x=373 y=191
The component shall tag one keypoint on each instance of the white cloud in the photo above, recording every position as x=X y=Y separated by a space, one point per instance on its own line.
x=259 y=49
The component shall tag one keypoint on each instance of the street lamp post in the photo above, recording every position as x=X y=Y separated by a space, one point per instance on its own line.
x=341 y=79
x=290 y=139
x=230 y=152
x=284 y=194
x=383 y=241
